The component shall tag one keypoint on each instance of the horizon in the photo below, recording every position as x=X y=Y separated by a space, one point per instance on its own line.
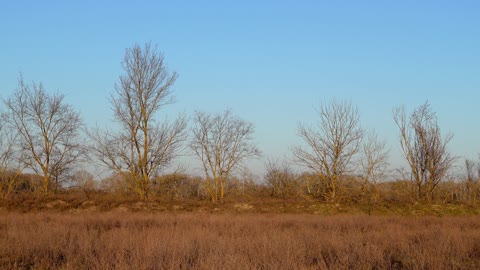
x=271 y=63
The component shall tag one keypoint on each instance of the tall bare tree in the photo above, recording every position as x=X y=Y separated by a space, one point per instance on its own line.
x=332 y=144
x=144 y=146
x=424 y=148
x=48 y=131
x=221 y=142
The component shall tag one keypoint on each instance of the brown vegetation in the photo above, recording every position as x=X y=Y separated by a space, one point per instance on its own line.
x=117 y=240
x=251 y=201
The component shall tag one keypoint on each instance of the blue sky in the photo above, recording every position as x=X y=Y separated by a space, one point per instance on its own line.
x=271 y=62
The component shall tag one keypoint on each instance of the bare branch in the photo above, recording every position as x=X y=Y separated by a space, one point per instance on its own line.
x=332 y=144
x=424 y=148
x=221 y=142
x=48 y=131
x=280 y=177
x=144 y=147
x=374 y=164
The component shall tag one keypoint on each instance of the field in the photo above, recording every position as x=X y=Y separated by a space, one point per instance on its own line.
x=169 y=240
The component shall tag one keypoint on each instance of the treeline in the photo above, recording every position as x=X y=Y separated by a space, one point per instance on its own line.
x=43 y=135
x=277 y=190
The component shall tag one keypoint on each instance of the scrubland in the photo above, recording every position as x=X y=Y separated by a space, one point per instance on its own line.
x=191 y=240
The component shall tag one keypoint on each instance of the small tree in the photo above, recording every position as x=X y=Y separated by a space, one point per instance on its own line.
x=144 y=146
x=48 y=131
x=472 y=175
x=84 y=181
x=332 y=144
x=424 y=148
x=221 y=142
x=373 y=166
x=280 y=178
x=10 y=158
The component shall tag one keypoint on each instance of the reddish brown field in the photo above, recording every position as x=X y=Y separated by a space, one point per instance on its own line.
x=125 y=240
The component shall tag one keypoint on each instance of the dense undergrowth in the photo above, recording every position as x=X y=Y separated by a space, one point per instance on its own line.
x=80 y=202
x=127 y=240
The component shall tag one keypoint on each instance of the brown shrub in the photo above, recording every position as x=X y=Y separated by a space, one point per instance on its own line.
x=117 y=240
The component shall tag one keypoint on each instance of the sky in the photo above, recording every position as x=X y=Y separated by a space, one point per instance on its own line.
x=270 y=62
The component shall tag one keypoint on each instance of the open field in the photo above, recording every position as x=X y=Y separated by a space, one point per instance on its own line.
x=141 y=240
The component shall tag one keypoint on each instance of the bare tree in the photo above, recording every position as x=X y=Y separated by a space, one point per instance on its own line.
x=374 y=161
x=472 y=175
x=84 y=181
x=280 y=178
x=373 y=166
x=332 y=144
x=424 y=148
x=221 y=142
x=144 y=146
x=10 y=158
x=48 y=130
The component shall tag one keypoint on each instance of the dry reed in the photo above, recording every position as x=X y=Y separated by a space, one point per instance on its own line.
x=125 y=240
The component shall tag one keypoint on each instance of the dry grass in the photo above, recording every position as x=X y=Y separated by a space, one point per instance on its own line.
x=79 y=202
x=126 y=240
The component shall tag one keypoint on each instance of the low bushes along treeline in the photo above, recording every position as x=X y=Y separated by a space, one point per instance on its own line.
x=296 y=194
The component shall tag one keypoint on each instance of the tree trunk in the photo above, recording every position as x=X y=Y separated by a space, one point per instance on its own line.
x=46 y=185
x=222 y=189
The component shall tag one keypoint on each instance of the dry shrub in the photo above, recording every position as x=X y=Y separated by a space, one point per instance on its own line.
x=198 y=241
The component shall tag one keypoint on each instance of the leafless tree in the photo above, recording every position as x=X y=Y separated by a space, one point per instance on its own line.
x=373 y=162
x=48 y=130
x=10 y=158
x=221 y=142
x=472 y=175
x=144 y=146
x=332 y=144
x=373 y=166
x=280 y=177
x=424 y=148
x=84 y=181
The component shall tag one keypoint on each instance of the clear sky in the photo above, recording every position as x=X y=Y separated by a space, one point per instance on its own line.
x=271 y=62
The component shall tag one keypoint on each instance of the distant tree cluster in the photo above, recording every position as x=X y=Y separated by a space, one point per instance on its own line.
x=42 y=135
